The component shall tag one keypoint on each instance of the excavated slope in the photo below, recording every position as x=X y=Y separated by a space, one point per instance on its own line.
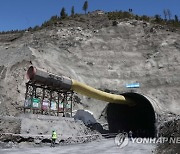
x=107 y=58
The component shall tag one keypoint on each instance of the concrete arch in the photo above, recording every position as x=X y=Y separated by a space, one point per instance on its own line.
x=158 y=108
x=140 y=119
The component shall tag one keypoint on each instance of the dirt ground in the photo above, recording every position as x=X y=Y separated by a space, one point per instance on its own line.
x=105 y=146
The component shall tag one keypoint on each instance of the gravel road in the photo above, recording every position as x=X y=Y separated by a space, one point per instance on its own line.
x=104 y=146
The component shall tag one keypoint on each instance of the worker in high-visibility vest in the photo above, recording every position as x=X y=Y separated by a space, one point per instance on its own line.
x=54 y=137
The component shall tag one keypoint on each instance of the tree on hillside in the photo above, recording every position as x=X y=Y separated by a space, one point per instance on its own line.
x=165 y=14
x=176 y=18
x=157 y=18
x=72 y=11
x=63 y=13
x=130 y=10
x=169 y=14
x=85 y=6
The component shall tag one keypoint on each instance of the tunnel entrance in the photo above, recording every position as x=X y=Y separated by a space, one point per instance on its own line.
x=140 y=119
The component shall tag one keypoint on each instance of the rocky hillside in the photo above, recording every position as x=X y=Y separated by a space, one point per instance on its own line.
x=98 y=54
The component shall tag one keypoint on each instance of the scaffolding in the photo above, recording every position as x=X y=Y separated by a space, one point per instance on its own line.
x=43 y=99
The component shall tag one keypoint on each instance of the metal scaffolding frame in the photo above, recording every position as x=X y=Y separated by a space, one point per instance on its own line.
x=41 y=99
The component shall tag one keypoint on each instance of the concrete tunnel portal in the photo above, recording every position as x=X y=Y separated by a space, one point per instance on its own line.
x=140 y=119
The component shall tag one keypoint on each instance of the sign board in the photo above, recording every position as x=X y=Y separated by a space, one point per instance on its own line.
x=27 y=103
x=53 y=106
x=35 y=102
x=61 y=105
x=68 y=106
x=45 y=104
x=133 y=85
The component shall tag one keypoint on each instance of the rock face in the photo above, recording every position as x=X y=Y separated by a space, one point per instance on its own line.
x=105 y=58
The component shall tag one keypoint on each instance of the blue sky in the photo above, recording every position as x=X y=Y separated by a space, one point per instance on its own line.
x=21 y=14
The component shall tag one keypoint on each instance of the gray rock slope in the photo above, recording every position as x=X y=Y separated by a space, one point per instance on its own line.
x=105 y=58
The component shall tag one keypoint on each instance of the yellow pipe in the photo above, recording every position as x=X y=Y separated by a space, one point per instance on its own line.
x=66 y=83
x=97 y=94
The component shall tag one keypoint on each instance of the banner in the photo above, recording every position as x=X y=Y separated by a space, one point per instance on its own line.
x=45 y=104
x=27 y=103
x=35 y=102
x=53 y=106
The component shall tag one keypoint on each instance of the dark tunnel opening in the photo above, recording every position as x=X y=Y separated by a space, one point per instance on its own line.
x=140 y=119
